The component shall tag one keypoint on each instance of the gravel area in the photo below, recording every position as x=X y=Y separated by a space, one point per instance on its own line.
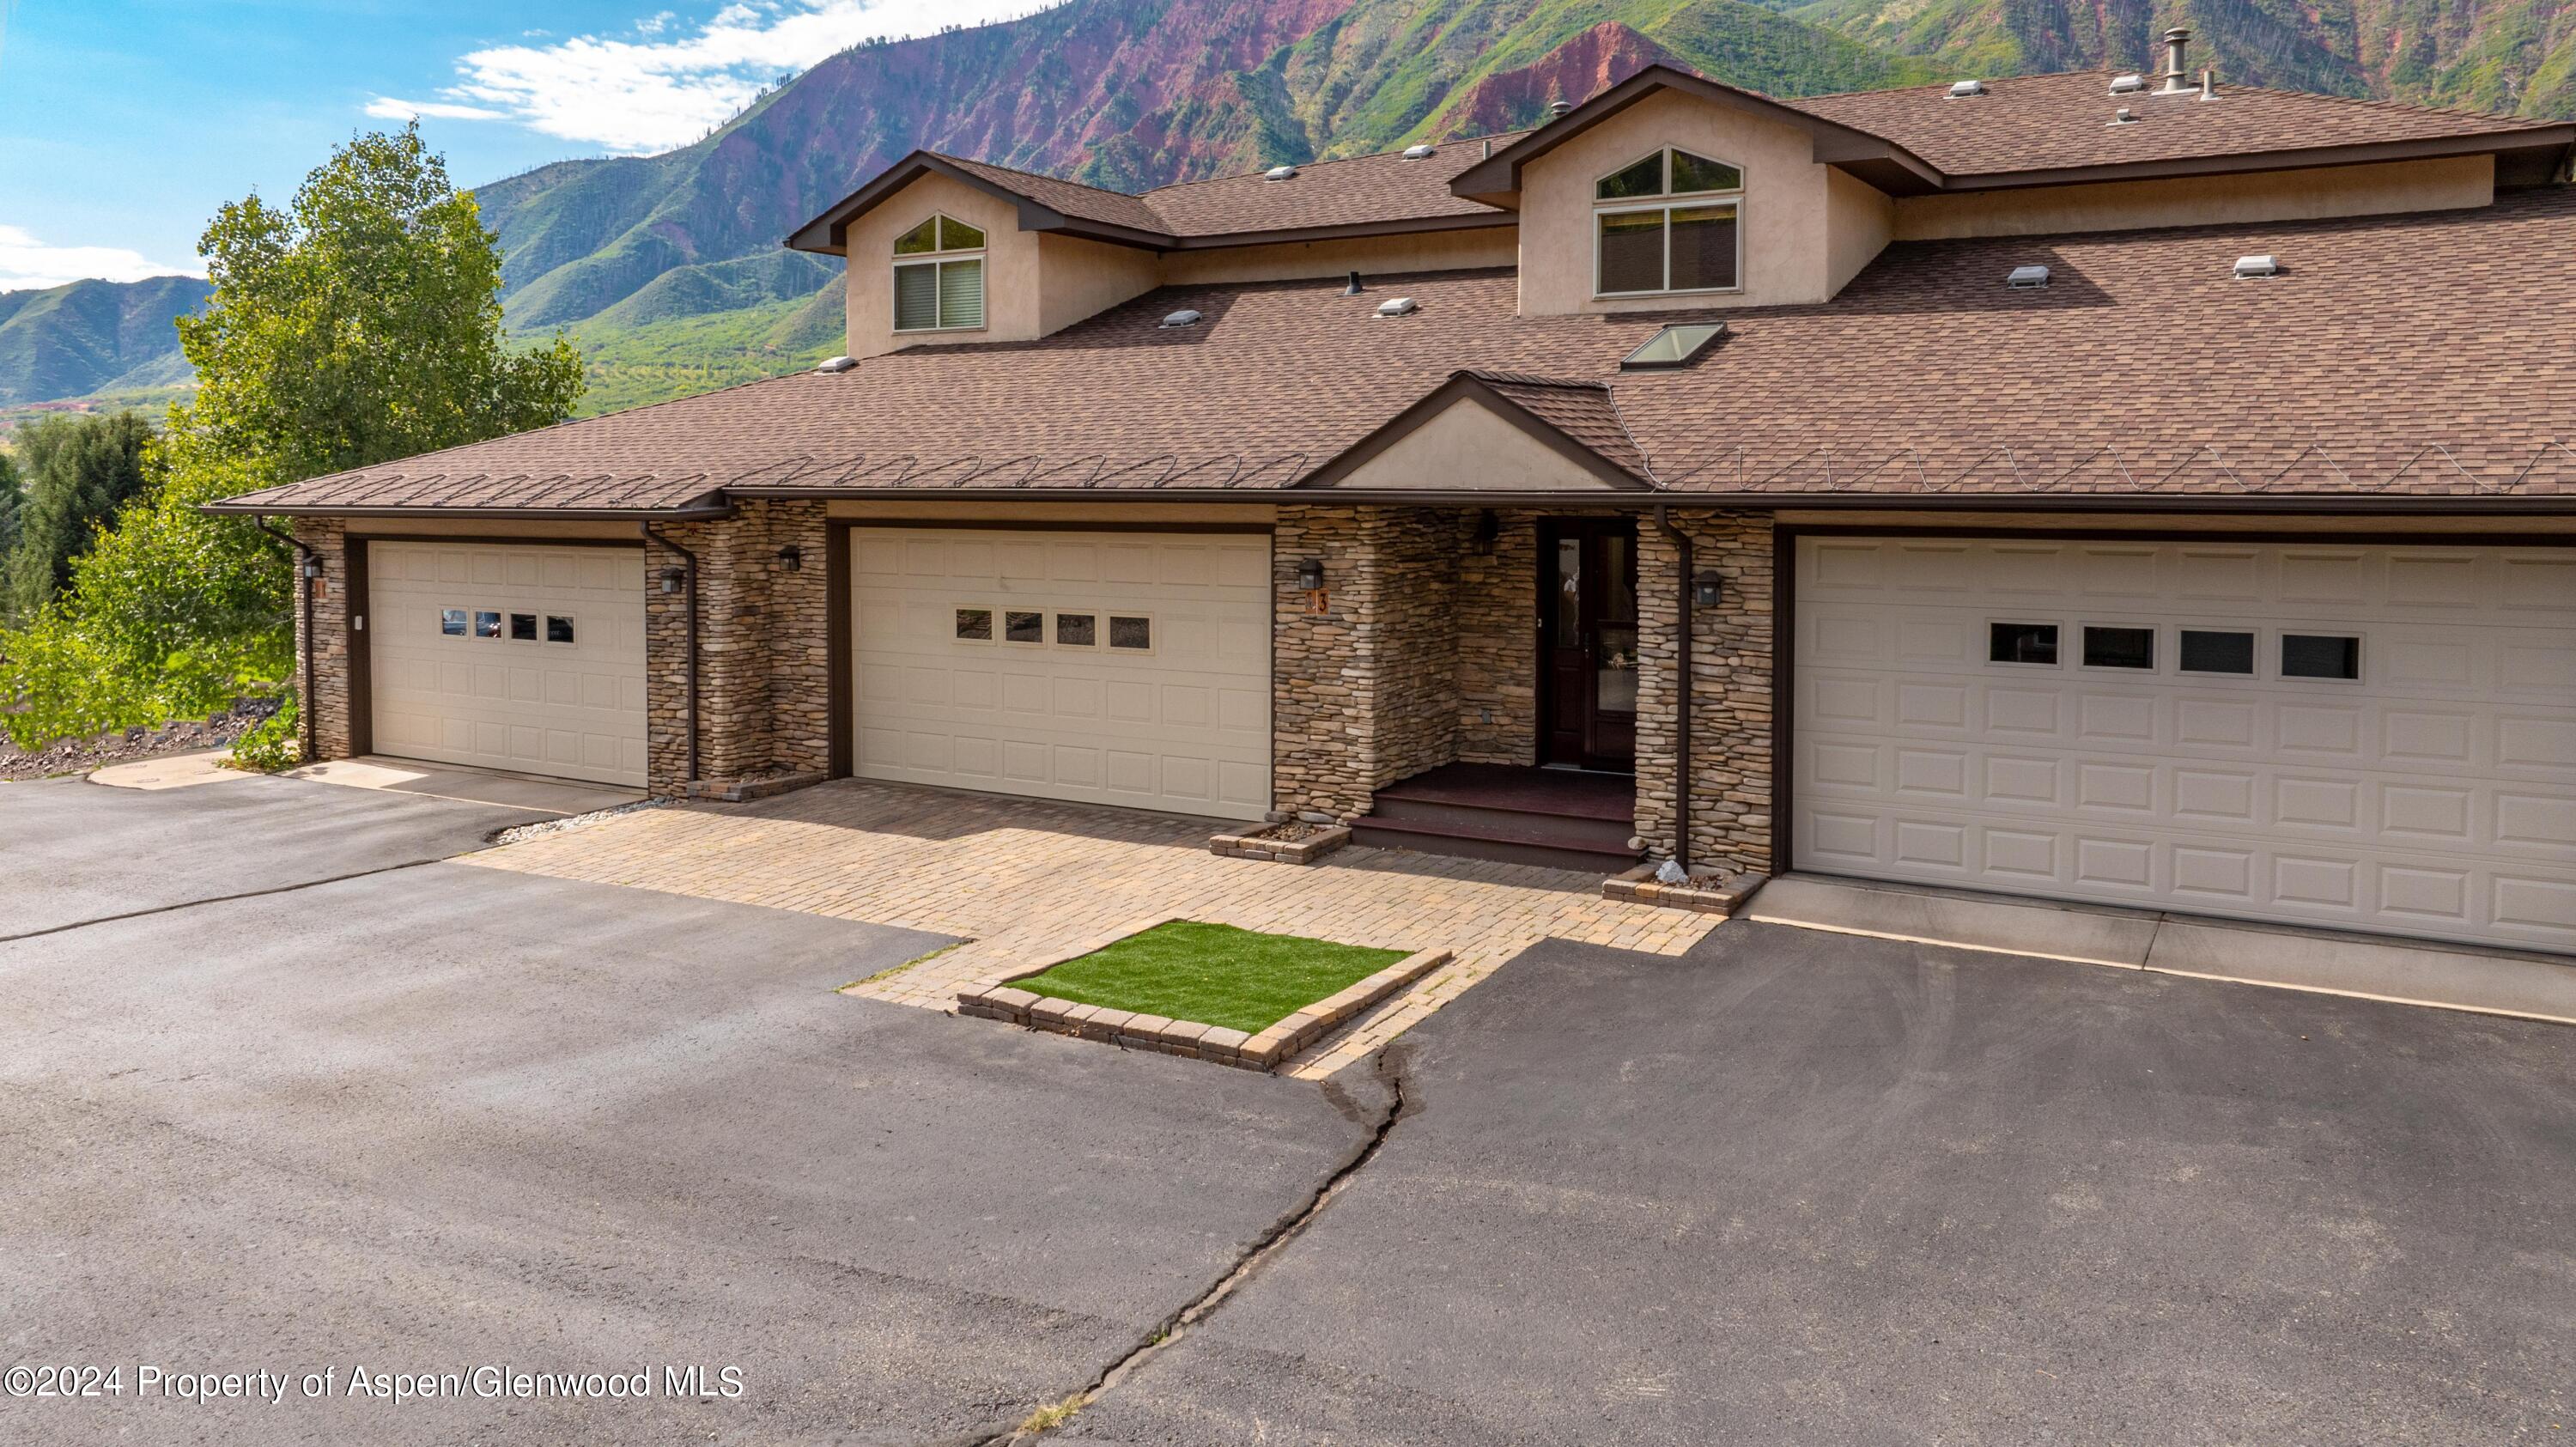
x=518 y=832
x=186 y=736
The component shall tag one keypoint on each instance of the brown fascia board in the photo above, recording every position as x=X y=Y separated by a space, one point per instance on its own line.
x=698 y=511
x=1499 y=175
x=2232 y=504
x=827 y=234
x=1461 y=386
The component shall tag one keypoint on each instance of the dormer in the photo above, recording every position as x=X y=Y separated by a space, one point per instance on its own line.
x=1669 y=192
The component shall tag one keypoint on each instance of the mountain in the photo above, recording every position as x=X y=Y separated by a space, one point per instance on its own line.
x=93 y=336
x=2491 y=55
x=667 y=269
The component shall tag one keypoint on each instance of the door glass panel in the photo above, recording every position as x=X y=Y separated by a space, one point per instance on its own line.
x=1569 y=592
x=1615 y=661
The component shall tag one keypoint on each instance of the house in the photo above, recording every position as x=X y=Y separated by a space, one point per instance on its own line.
x=2129 y=489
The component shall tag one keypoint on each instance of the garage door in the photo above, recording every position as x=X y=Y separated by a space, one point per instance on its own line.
x=511 y=657
x=1105 y=667
x=2374 y=738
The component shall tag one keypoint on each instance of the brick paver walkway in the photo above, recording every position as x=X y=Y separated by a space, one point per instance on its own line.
x=1030 y=883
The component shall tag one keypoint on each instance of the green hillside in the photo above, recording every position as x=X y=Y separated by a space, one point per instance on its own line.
x=90 y=336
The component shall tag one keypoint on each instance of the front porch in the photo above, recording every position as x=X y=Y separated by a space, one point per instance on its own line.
x=1504 y=683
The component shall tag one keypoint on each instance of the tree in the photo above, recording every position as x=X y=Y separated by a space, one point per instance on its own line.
x=364 y=323
x=360 y=325
x=79 y=471
x=11 y=499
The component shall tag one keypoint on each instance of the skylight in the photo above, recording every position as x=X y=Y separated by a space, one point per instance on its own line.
x=1674 y=346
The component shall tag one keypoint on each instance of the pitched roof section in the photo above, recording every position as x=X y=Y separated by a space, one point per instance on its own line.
x=1351 y=197
x=1582 y=411
x=2053 y=123
x=2051 y=129
x=2421 y=356
x=1576 y=419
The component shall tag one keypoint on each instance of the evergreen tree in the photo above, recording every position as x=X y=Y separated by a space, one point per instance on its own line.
x=79 y=472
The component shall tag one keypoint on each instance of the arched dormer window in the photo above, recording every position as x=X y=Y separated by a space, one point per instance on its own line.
x=939 y=277
x=1670 y=222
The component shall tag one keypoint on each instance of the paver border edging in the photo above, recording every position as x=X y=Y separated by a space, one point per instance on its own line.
x=1190 y=1038
x=1702 y=895
x=1257 y=844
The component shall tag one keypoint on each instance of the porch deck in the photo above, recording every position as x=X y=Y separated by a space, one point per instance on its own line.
x=1561 y=818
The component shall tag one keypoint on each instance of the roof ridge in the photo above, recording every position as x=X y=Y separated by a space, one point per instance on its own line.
x=1338 y=160
x=1033 y=175
x=1535 y=379
x=2410 y=107
x=1941 y=85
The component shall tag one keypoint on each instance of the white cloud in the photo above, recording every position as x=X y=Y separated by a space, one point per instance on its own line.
x=27 y=264
x=677 y=79
x=385 y=107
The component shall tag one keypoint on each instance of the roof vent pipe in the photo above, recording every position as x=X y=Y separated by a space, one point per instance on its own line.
x=2209 y=85
x=1354 y=289
x=2177 y=77
x=1489 y=150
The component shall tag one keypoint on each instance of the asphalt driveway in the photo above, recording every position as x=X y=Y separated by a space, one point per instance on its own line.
x=1805 y=1188
x=440 y=1117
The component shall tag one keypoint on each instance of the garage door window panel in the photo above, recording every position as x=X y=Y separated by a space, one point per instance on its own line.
x=1023 y=626
x=2334 y=657
x=974 y=625
x=2120 y=646
x=2215 y=651
x=1131 y=633
x=2033 y=644
x=451 y=622
x=1077 y=630
x=559 y=629
x=523 y=627
x=487 y=625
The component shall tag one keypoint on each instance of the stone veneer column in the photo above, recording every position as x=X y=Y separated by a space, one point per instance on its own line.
x=328 y=709
x=762 y=654
x=1498 y=641
x=1731 y=759
x=1363 y=693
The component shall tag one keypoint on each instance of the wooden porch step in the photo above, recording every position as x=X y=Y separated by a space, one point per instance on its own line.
x=1557 y=818
x=1507 y=842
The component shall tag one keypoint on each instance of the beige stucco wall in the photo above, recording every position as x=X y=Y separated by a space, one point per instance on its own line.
x=1466 y=445
x=2444 y=183
x=1367 y=255
x=1860 y=219
x=1786 y=251
x=1012 y=311
x=1079 y=278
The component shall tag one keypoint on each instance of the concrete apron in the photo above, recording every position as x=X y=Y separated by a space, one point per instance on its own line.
x=2456 y=977
x=472 y=786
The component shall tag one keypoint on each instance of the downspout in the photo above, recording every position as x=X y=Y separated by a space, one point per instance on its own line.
x=692 y=606
x=304 y=584
x=1682 y=691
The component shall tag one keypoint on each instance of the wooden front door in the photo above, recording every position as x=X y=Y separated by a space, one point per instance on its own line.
x=1587 y=592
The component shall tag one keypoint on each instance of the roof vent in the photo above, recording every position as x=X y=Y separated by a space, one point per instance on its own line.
x=1182 y=318
x=2249 y=267
x=1418 y=153
x=2027 y=278
x=2122 y=117
x=1354 y=289
x=2129 y=84
x=837 y=365
x=1673 y=346
x=1558 y=110
x=1279 y=173
x=2177 y=51
x=1960 y=89
x=1396 y=306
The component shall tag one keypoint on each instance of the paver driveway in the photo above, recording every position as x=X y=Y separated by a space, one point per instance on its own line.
x=1033 y=883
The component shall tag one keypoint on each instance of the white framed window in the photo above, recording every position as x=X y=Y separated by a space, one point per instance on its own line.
x=1671 y=222
x=939 y=277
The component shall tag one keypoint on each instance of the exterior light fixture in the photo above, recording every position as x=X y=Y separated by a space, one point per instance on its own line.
x=672 y=578
x=1310 y=575
x=792 y=558
x=1488 y=528
x=313 y=567
x=1706 y=590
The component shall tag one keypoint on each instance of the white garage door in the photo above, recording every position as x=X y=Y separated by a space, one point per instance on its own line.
x=2375 y=738
x=506 y=656
x=1106 y=667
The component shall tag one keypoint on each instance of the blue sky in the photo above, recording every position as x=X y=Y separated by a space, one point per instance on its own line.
x=125 y=123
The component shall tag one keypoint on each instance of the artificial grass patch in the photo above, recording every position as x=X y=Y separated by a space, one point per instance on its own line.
x=1211 y=973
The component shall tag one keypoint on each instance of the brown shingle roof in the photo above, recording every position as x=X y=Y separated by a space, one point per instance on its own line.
x=2051 y=122
x=1584 y=411
x=1363 y=189
x=2419 y=354
x=1072 y=198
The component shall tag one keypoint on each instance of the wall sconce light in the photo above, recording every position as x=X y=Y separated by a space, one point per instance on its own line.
x=1706 y=590
x=1310 y=575
x=312 y=567
x=792 y=558
x=672 y=578
x=1488 y=528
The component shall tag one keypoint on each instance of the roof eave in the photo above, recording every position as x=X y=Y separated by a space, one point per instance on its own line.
x=693 y=510
x=2520 y=139
x=827 y=234
x=2331 y=502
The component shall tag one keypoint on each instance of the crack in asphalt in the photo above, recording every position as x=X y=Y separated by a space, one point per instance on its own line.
x=1176 y=1327
x=222 y=899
